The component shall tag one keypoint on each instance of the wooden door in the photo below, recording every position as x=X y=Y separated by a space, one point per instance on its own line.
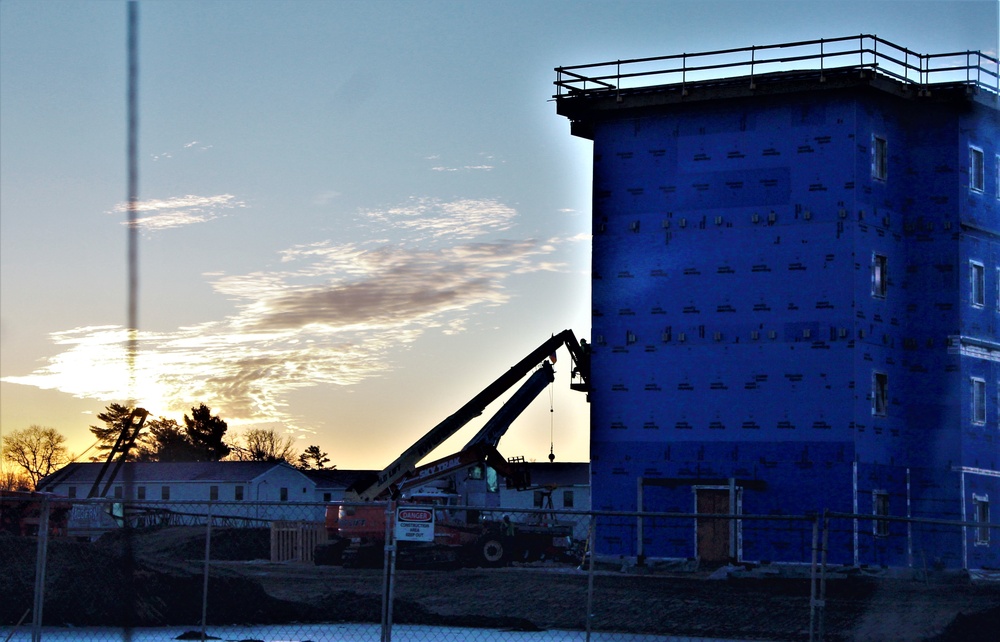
x=713 y=534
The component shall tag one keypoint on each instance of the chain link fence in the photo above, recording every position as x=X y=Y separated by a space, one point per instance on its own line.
x=156 y=570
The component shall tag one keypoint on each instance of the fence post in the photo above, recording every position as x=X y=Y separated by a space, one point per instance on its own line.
x=822 y=574
x=389 y=573
x=204 y=586
x=40 y=557
x=591 y=541
x=812 y=582
x=640 y=552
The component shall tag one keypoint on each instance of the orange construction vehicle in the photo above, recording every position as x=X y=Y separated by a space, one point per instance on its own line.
x=458 y=486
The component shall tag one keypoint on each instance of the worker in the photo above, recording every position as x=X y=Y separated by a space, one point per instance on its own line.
x=508 y=526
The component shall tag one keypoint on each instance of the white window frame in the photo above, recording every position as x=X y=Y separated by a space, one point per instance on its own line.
x=880 y=394
x=880 y=157
x=977 y=284
x=981 y=504
x=977 y=169
x=880 y=275
x=978 y=393
x=880 y=508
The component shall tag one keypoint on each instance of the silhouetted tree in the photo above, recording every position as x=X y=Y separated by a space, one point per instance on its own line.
x=314 y=459
x=39 y=451
x=206 y=433
x=166 y=440
x=264 y=444
x=11 y=479
x=116 y=419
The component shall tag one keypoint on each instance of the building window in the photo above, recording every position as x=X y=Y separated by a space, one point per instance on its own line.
x=977 y=273
x=213 y=493
x=982 y=506
x=71 y=492
x=977 y=170
x=880 y=284
x=880 y=394
x=327 y=497
x=978 y=401
x=284 y=494
x=567 y=499
x=880 y=508
x=119 y=492
x=164 y=492
x=539 y=498
x=140 y=492
x=880 y=158
x=238 y=494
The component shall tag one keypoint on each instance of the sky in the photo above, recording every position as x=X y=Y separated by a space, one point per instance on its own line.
x=353 y=216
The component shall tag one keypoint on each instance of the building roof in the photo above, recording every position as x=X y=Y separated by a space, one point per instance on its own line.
x=336 y=478
x=559 y=473
x=138 y=472
x=614 y=88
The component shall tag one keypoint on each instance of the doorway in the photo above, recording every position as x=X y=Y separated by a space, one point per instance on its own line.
x=712 y=535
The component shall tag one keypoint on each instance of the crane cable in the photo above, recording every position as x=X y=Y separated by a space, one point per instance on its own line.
x=552 y=392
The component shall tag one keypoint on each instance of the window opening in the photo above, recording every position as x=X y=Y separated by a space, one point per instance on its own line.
x=284 y=494
x=880 y=285
x=977 y=170
x=213 y=493
x=978 y=401
x=978 y=276
x=72 y=492
x=880 y=158
x=140 y=492
x=982 y=505
x=567 y=499
x=880 y=394
x=880 y=508
x=238 y=494
x=492 y=481
x=164 y=492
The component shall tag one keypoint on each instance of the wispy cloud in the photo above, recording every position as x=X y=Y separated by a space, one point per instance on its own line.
x=179 y=211
x=484 y=163
x=331 y=314
x=423 y=218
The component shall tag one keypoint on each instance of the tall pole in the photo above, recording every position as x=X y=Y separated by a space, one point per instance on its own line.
x=133 y=196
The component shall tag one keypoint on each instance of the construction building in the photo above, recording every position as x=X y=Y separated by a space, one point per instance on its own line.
x=796 y=299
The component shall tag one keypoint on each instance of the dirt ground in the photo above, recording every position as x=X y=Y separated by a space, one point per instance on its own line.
x=155 y=579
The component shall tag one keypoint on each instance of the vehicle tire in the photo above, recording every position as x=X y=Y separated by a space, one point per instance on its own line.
x=492 y=551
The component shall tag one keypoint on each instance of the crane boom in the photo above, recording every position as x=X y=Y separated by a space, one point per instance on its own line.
x=407 y=461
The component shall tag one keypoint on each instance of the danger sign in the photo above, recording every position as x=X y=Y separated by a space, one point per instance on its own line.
x=414 y=524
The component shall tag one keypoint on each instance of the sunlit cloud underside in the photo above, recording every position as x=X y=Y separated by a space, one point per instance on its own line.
x=334 y=314
x=180 y=211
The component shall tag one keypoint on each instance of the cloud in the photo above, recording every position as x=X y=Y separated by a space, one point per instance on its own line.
x=424 y=218
x=179 y=211
x=485 y=164
x=328 y=314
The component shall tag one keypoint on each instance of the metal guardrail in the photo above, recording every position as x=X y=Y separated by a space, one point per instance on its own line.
x=971 y=68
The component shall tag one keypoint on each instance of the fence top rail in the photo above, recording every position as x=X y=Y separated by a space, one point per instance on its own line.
x=865 y=51
x=911 y=520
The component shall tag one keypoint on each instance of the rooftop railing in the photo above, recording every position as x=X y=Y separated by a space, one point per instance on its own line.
x=971 y=68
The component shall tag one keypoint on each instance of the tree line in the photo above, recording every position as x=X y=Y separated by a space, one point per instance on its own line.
x=37 y=451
